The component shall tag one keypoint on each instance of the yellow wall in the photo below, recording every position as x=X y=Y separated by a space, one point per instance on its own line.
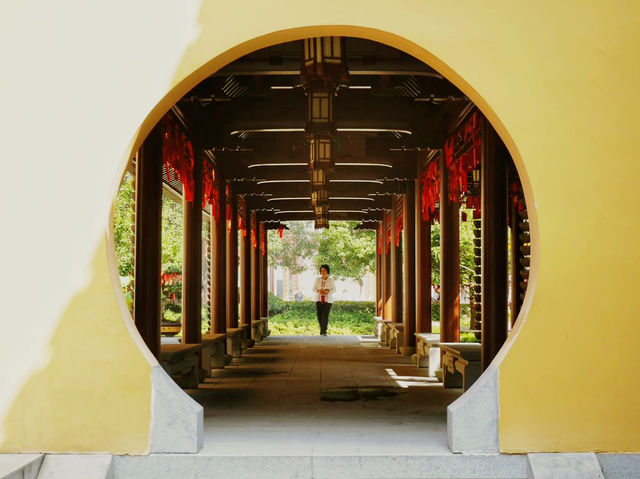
x=558 y=80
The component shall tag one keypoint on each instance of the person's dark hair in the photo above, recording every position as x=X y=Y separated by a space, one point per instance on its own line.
x=325 y=266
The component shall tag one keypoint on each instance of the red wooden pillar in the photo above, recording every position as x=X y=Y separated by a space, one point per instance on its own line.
x=409 y=236
x=423 y=265
x=219 y=266
x=494 y=245
x=396 y=262
x=264 y=272
x=387 y=239
x=147 y=310
x=449 y=261
x=379 y=271
x=232 y=260
x=245 y=267
x=192 y=259
x=255 y=269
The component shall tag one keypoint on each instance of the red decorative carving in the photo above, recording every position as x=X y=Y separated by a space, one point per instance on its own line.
x=430 y=183
x=462 y=154
x=177 y=154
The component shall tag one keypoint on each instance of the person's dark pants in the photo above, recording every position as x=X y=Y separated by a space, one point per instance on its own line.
x=323 y=310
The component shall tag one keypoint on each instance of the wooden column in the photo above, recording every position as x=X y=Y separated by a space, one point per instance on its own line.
x=516 y=256
x=245 y=271
x=449 y=261
x=255 y=274
x=192 y=259
x=396 y=266
x=494 y=246
x=423 y=266
x=379 y=272
x=147 y=310
x=409 y=236
x=264 y=278
x=219 y=267
x=232 y=262
x=386 y=263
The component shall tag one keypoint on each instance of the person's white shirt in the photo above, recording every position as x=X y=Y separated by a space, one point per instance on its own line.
x=328 y=284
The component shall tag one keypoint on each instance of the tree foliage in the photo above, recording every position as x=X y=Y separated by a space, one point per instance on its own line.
x=123 y=226
x=466 y=250
x=297 y=244
x=349 y=252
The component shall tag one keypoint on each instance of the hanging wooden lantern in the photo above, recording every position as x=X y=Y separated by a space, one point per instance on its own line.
x=321 y=210
x=321 y=222
x=318 y=197
x=319 y=178
x=324 y=60
x=321 y=152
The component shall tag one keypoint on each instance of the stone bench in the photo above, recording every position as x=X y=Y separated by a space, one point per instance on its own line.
x=260 y=329
x=182 y=363
x=256 y=330
x=265 y=327
x=384 y=332
x=396 y=336
x=461 y=364
x=235 y=337
x=377 y=328
x=247 y=342
x=428 y=352
x=213 y=352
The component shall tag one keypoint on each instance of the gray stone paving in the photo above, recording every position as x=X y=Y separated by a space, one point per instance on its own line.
x=270 y=401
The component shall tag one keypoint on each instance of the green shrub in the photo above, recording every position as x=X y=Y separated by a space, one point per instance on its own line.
x=346 y=318
x=276 y=305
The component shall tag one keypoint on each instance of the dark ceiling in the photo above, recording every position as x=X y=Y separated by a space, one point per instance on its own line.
x=250 y=117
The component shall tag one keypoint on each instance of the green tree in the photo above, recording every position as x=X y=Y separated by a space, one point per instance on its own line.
x=351 y=253
x=123 y=226
x=466 y=250
x=297 y=243
x=172 y=234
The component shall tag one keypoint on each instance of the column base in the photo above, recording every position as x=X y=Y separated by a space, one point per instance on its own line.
x=407 y=350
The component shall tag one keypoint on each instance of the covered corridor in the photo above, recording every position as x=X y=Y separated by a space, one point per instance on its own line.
x=328 y=129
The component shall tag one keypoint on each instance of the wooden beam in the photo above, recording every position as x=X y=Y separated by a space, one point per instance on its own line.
x=309 y=215
x=301 y=172
x=298 y=189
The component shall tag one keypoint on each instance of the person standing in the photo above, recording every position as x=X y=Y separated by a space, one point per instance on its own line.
x=324 y=287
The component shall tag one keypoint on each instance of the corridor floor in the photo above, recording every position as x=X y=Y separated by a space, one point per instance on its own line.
x=270 y=401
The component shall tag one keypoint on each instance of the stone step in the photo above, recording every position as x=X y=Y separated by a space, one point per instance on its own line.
x=76 y=466
x=20 y=466
x=428 y=466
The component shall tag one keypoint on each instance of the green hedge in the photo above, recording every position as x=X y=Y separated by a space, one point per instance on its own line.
x=299 y=318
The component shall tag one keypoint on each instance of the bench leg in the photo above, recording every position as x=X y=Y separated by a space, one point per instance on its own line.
x=234 y=346
x=433 y=361
x=218 y=356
